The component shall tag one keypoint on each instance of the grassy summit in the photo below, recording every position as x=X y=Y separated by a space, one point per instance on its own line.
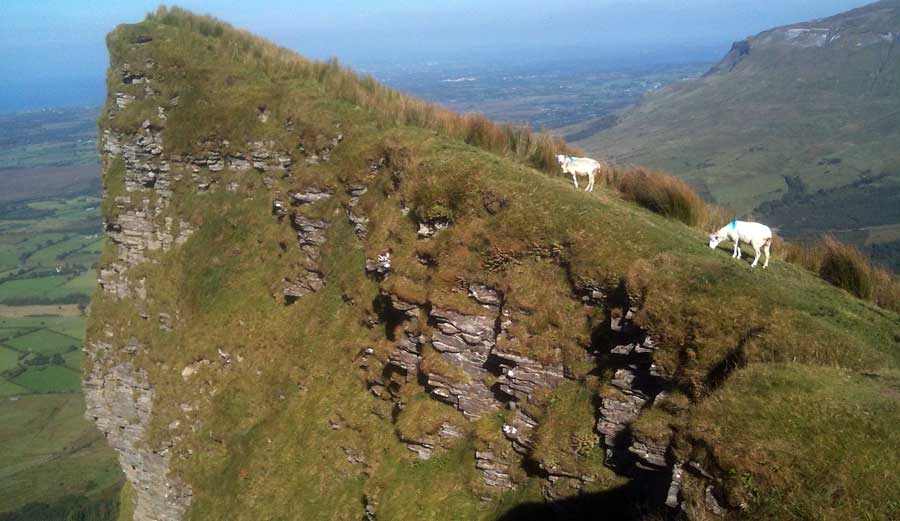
x=766 y=366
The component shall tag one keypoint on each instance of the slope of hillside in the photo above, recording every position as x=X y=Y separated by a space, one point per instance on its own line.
x=309 y=310
x=803 y=120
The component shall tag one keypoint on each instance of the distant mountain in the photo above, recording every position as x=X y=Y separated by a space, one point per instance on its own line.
x=799 y=125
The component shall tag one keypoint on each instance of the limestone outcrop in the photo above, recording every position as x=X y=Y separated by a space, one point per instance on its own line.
x=120 y=401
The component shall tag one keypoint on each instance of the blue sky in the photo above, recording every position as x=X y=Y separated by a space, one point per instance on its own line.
x=53 y=53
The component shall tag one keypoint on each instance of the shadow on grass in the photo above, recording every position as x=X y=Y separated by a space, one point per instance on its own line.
x=641 y=499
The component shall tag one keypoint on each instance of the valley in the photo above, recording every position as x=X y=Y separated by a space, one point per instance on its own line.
x=797 y=126
x=55 y=463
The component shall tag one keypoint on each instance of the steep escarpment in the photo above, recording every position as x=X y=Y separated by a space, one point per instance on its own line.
x=311 y=309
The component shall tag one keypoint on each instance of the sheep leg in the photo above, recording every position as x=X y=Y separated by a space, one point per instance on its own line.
x=575 y=180
x=766 y=248
x=590 y=186
x=737 y=249
x=756 y=259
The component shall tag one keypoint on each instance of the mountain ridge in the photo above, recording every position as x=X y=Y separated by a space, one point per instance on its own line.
x=310 y=308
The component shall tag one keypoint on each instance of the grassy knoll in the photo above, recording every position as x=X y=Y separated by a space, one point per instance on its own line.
x=828 y=462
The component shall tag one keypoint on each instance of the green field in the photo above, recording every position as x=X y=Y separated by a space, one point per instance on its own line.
x=47 y=250
x=48 y=379
x=73 y=360
x=8 y=388
x=50 y=451
x=8 y=358
x=45 y=341
x=11 y=327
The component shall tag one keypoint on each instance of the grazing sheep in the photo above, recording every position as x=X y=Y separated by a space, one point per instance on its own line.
x=577 y=166
x=758 y=235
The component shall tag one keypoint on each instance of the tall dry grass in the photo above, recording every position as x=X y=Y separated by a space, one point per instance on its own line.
x=845 y=267
x=660 y=193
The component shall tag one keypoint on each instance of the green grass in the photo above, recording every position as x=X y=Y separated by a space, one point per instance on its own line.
x=7 y=332
x=50 y=450
x=261 y=436
x=81 y=284
x=50 y=289
x=71 y=326
x=49 y=379
x=565 y=439
x=8 y=388
x=40 y=235
x=127 y=502
x=8 y=358
x=59 y=252
x=73 y=360
x=834 y=457
x=44 y=341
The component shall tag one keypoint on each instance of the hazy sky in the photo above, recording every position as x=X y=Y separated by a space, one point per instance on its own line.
x=52 y=52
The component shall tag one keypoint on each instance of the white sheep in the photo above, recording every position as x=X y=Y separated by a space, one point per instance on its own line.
x=580 y=166
x=758 y=235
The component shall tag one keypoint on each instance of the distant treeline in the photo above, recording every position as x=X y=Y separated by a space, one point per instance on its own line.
x=71 y=298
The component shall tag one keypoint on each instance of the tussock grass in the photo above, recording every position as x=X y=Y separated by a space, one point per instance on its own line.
x=422 y=416
x=659 y=192
x=565 y=439
x=846 y=267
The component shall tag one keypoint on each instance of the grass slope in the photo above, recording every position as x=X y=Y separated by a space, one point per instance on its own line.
x=262 y=431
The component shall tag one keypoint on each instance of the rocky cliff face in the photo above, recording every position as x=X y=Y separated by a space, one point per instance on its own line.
x=118 y=394
x=470 y=361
